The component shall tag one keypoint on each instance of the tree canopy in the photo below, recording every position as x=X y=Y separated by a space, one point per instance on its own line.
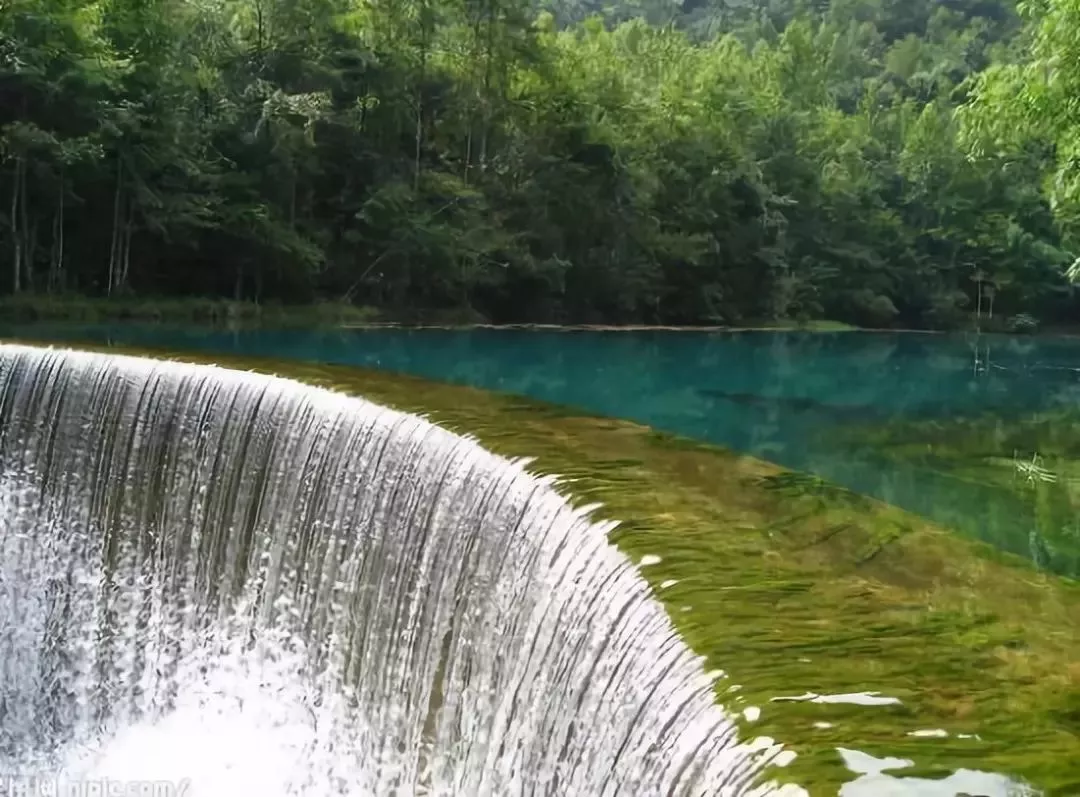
x=882 y=162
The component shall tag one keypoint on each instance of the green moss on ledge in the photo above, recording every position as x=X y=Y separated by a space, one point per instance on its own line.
x=792 y=585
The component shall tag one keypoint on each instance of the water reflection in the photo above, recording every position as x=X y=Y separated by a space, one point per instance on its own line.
x=791 y=398
x=873 y=780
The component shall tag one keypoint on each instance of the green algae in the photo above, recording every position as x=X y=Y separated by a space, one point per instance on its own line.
x=793 y=585
x=1031 y=461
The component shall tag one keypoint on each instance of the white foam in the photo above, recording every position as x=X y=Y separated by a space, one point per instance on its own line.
x=933 y=733
x=866 y=764
x=784 y=758
x=854 y=698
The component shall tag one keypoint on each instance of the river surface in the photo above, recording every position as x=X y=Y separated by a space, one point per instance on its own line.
x=787 y=397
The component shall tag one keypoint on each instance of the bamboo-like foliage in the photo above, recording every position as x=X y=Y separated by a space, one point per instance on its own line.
x=722 y=162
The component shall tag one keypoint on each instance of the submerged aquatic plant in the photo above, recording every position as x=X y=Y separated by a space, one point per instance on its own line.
x=1033 y=471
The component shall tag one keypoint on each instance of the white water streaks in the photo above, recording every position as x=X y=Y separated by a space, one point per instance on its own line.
x=852 y=698
x=268 y=588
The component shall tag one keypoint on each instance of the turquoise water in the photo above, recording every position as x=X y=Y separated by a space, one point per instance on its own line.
x=783 y=396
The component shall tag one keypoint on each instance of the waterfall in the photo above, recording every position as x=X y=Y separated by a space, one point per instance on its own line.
x=229 y=583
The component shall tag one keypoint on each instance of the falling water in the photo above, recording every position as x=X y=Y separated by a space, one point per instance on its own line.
x=225 y=583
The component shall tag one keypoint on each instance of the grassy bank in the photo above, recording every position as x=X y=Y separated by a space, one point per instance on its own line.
x=28 y=308
x=73 y=308
x=792 y=585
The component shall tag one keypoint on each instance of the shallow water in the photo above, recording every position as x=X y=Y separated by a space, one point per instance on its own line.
x=785 y=397
x=214 y=582
x=931 y=666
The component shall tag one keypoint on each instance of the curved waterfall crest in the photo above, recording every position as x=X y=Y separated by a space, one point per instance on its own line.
x=191 y=555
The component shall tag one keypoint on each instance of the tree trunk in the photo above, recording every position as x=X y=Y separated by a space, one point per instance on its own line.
x=31 y=249
x=125 y=262
x=16 y=238
x=489 y=58
x=468 y=154
x=364 y=108
x=29 y=235
x=56 y=257
x=474 y=101
x=117 y=236
x=419 y=134
x=419 y=139
x=292 y=195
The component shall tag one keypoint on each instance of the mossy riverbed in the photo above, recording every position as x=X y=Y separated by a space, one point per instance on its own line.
x=793 y=586
x=1032 y=462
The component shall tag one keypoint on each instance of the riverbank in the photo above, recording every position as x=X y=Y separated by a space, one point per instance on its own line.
x=778 y=326
x=797 y=588
x=74 y=309
x=30 y=308
x=219 y=312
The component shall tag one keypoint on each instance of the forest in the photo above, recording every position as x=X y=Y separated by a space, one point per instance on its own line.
x=885 y=163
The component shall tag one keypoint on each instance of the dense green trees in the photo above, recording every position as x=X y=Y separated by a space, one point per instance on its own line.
x=716 y=161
